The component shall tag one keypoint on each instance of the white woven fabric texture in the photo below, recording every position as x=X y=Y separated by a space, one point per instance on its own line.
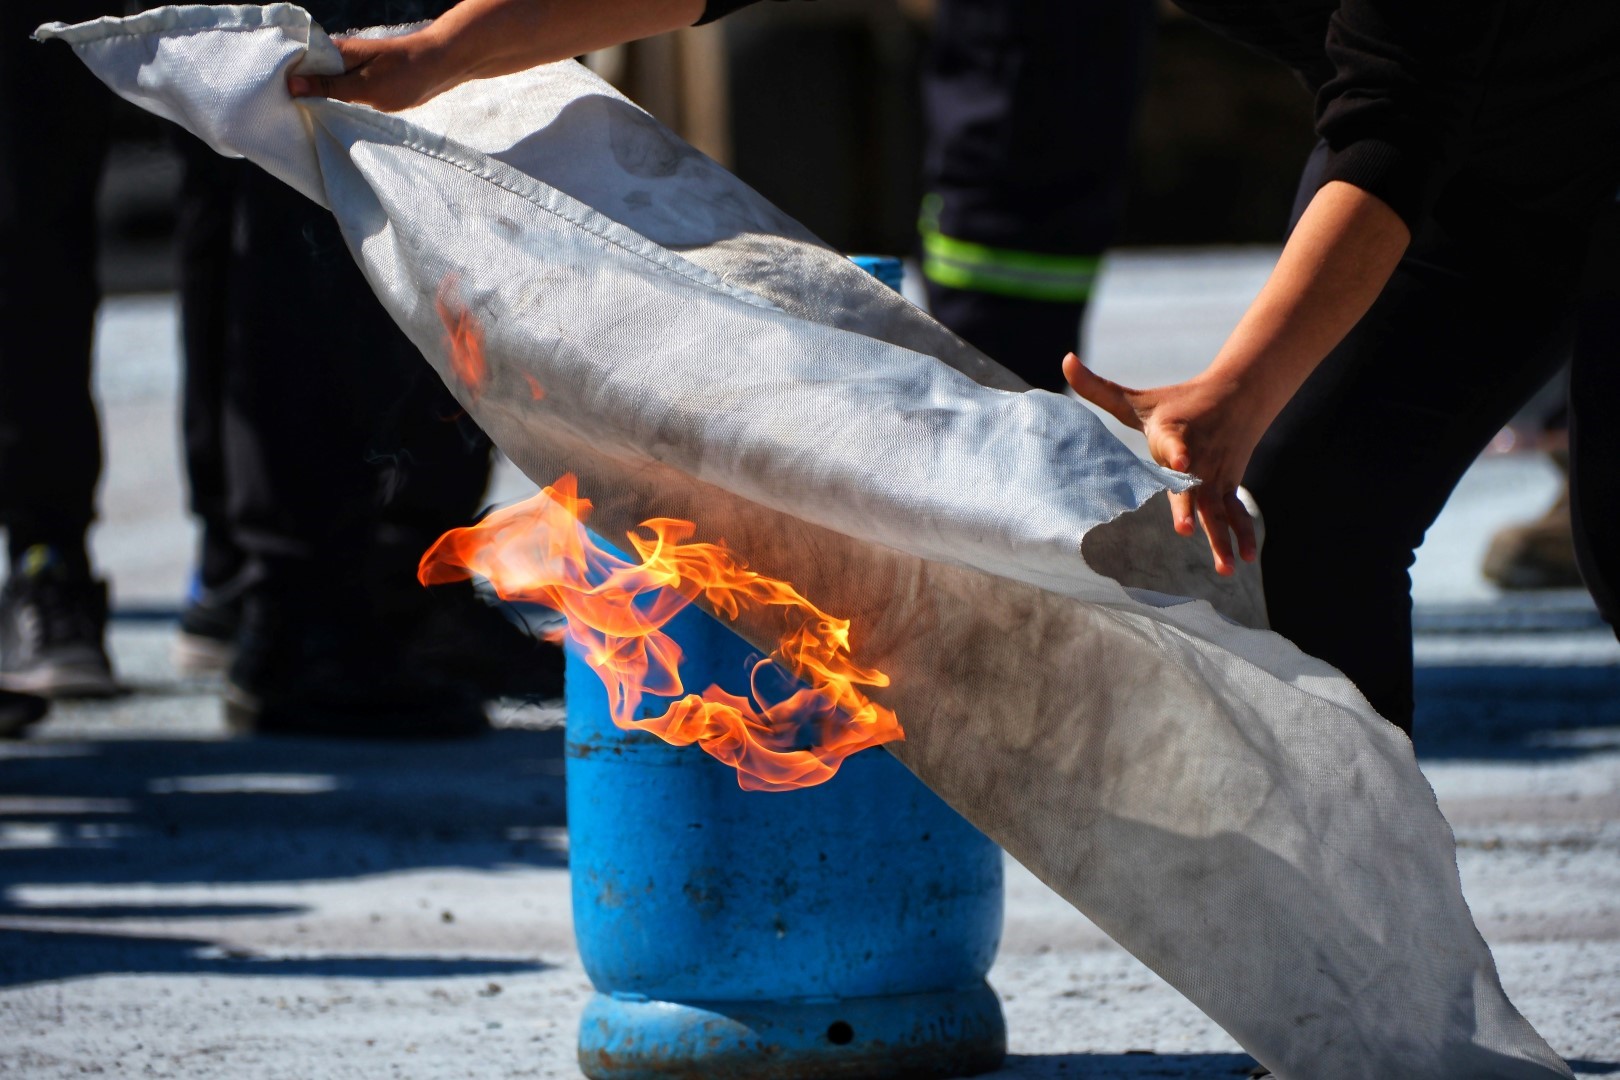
x=1229 y=809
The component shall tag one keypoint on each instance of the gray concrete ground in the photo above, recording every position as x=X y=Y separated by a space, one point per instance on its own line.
x=174 y=903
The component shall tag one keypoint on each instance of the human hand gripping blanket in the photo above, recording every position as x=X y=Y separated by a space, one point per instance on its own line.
x=1227 y=808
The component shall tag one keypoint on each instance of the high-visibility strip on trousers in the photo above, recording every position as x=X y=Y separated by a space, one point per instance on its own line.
x=1031 y=275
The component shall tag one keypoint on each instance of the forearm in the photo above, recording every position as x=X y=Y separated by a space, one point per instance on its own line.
x=1333 y=267
x=478 y=39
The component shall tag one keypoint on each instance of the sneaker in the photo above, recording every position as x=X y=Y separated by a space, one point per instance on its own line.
x=209 y=623
x=17 y=711
x=53 y=627
x=334 y=666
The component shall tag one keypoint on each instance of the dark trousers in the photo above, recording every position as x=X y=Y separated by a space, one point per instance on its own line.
x=317 y=438
x=53 y=137
x=320 y=446
x=1029 y=108
x=1478 y=315
x=203 y=255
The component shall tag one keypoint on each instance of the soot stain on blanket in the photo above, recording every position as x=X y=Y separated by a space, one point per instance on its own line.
x=642 y=147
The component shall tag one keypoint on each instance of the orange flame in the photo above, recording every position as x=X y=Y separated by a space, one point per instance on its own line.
x=463 y=337
x=540 y=551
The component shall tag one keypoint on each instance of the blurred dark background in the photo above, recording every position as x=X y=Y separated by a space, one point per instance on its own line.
x=1220 y=138
x=817 y=105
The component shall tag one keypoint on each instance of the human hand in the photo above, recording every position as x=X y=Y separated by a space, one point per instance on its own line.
x=386 y=73
x=1201 y=426
x=482 y=39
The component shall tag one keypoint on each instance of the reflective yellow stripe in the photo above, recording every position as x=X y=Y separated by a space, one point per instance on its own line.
x=1033 y=275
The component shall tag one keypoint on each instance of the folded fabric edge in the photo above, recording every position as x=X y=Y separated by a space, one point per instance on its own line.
x=181 y=18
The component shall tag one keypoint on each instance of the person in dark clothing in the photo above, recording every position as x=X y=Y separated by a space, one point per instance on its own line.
x=1478 y=139
x=324 y=458
x=1443 y=247
x=1029 y=110
x=211 y=614
x=53 y=609
x=1401 y=408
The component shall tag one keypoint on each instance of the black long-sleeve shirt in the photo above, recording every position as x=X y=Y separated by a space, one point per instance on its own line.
x=1519 y=98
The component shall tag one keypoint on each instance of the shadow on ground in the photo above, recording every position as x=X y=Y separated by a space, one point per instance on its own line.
x=275 y=809
x=1132 y=1065
x=1517 y=712
x=219 y=813
x=28 y=956
x=1140 y=1065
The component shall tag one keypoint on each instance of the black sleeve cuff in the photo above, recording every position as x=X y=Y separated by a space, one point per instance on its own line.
x=717 y=9
x=1401 y=179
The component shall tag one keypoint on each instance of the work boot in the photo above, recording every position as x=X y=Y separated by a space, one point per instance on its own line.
x=53 y=628
x=333 y=664
x=1537 y=554
x=17 y=711
x=489 y=647
x=456 y=632
x=209 y=623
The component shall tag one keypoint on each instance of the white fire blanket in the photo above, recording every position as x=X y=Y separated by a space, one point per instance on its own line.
x=1227 y=808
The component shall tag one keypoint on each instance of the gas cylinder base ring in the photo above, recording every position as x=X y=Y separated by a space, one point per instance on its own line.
x=898 y=1037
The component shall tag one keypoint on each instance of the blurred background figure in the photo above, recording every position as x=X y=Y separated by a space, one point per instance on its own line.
x=324 y=457
x=1029 y=115
x=53 y=138
x=1539 y=553
x=1007 y=145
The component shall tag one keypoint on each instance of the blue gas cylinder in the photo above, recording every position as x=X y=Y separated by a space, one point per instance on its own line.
x=841 y=930
x=886 y=268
